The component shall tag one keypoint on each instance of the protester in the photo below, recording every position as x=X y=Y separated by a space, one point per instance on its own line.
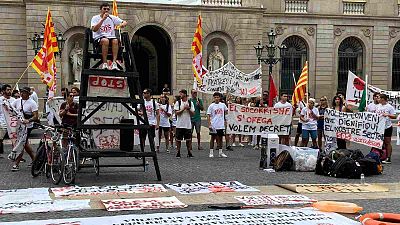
x=261 y=103
x=227 y=99
x=29 y=109
x=196 y=118
x=173 y=122
x=300 y=107
x=153 y=116
x=216 y=123
x=323 y=105
x=69 y=111
x=239 y=101
x=64 y=93
x=371 y=107
x=103 y=27
x=283 y=103
x=165 y=125
x=386 y=110
x=184 y=110
x=338 y=105
x=309 y=116
x=15 y=94
x=5 y=96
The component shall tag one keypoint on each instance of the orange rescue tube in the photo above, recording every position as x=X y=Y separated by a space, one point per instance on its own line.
x=380 y=219
x=339 y=207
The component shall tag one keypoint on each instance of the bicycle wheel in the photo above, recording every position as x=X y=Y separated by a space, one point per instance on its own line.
x=57 y=165
x=70 y=166
x=39 y=161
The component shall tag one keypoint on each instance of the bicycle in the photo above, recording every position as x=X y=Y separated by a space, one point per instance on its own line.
x=70 y=152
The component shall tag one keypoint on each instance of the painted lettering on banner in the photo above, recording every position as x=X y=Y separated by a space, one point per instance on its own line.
x=242 y=217
x=143 y=203
x=43 y=206
x=107 y=82
x=228 y=79
x=109 y=189
x=209 y=187
x=364 y=127
x=256 y=120
x=274 y=199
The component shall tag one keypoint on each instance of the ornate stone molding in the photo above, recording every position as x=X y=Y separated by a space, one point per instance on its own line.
x=310 y=31
x=279 y=30
x=393 y=32
x=338 y=31
x=367 y=32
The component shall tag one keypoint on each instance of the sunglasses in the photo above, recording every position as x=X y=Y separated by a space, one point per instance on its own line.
x=106 y=9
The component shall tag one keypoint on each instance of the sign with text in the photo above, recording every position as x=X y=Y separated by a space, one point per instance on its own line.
x=355 y=89
x=256 y=120
x=43 y=206
x=274 y=199
x=142 y=203
x=333 y=188
x=209 y=187
x=108 y=189
x=242 y=217
x=363 y=127
x=228 y=79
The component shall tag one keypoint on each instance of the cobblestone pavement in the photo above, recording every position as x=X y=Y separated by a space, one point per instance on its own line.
x=241 y=165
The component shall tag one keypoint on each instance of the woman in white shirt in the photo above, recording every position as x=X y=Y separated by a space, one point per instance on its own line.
x=165 y=126
x=309 y=116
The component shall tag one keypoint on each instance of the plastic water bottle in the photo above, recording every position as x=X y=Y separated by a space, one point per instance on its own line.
x=362 y=179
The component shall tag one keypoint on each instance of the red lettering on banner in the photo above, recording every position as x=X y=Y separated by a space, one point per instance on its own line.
x=232 y=108
x=108 y=82
x=259 y=120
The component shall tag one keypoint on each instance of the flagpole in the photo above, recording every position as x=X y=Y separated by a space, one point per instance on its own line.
x=23 y=73
x=366 y=90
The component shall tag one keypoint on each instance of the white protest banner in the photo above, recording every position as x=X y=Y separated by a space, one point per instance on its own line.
x=274 y=199
x=53 y=109
x=10 y=119
x=254 y=121
x=209 y=187
x=29 y=194
x=142 y=203
x=43 y=206
x=398 y=132
x=233 y=217
x=355 y=89
x=364 y=127
x=228 y=79
x=109 y=189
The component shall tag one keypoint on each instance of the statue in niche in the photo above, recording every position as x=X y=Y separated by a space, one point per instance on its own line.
x=76 y=57
x=215 y=60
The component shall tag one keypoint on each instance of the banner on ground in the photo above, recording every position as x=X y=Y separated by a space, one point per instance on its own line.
x=228 y=79
x=143 y=203
x=109 y=189
x=209 y=187
x=274 y=199
x=363 y=127
x=333 y=188
x=242 y=217
x=257 y=120
x=43 y=206
x=355 y=89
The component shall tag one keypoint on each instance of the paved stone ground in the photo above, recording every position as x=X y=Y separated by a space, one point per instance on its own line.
x=242 y=165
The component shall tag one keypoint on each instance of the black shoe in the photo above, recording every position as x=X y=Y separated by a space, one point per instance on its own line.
x=189 y=155
x=178 y=155
x=229 y=148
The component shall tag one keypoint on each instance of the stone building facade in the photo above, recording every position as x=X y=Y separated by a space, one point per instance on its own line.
x=333 y=36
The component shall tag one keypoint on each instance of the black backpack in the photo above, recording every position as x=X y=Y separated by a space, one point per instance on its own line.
x=283 y=162
x=346 y=167
x=324 y=164
x=370 y=166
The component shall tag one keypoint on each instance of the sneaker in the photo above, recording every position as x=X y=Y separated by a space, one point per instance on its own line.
x=189 y=155
x=15 y=168
x=178 y=155
x=233 y=145
x=167 y=150
x=222 y=155
x=211 y=153
x=387 y=161
x=256 y=147
x=241 y=145
x=114 y=66
x=104 y=66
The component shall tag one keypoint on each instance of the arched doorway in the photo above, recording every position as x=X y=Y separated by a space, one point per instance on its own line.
x=351 y=56
x=293 y=60
x=396 y=67
x=152 y=49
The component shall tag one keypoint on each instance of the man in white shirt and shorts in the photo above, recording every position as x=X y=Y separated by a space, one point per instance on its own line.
x=283 y=103
x=103 y=27
x=216 y=123
x=184 y=110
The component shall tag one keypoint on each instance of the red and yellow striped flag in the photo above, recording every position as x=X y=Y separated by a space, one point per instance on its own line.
x=44 y=62
x=300 y=89
x=197 y=47
x=115 y=8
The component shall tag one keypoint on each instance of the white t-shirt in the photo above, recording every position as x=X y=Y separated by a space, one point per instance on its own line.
x=311 y=124
x=29 y=106
x=372 y=107
x=164 y=118
x=280 y=105
x=388 y=109
x=151 y=116
x=217 y=115
x=183 y=120
x=300 y=108
x=107 y=28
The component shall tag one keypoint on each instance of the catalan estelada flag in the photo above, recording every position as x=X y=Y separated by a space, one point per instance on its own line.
x=115 y=8
x=44 y=62
x=300 y=89
x=197 y=47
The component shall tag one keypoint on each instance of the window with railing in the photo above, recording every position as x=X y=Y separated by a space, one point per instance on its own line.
x=229 y=3
x=296 y=6
x=354 y=7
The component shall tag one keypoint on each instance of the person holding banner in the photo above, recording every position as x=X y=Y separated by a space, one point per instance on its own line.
x=338 y=105
x=216 y=123
x=299 y=108
x=323 y=105
x=184 y=109
x=283 y=103
x=386 y=110
x=309 y=116
x=6 y=96
x=371 y=107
